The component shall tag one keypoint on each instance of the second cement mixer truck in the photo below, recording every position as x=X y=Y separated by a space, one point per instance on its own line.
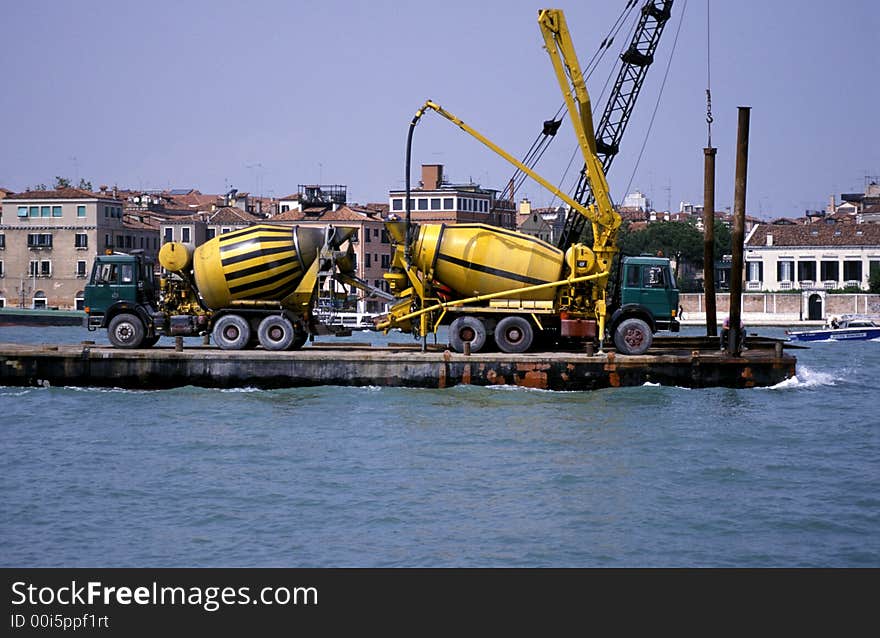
x=490 y=284
x=256 y=285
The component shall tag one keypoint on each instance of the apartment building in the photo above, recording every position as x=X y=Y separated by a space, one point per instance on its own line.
x=48 y=241
x=436 y=201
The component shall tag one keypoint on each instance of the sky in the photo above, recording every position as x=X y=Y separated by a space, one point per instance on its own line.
x=266 y=95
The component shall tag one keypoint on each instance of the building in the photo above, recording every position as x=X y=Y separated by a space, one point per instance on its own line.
x=48 y=241
x=530 y=221
x=811 y=257
x=371 y=243
x=436 y=201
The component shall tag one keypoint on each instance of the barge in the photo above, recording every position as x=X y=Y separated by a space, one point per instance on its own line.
x=691 y=362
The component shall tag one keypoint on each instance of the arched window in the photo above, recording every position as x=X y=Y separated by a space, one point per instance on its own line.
x=79 y=300
x=39 y=300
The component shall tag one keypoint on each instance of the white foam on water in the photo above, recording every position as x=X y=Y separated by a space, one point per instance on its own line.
x=806 y=378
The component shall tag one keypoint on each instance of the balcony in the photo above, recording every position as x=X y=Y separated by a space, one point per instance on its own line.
x=829 y=285
x=753 y=285
x=785 y=285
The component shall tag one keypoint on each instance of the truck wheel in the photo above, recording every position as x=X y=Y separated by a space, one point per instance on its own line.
x=231 y=332
x=514 y=334
x=126 y=331
x=275 y=333
x=467 y=330
x=633 y=336
x=299 y=338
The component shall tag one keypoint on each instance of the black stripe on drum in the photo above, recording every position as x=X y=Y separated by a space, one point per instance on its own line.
x=497 y=272
x=278 y=292
x=256 y=254
x=261 y=283
x=232 y=242
x=290 y=264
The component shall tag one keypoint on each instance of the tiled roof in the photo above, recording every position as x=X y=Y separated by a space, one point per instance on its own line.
x=344 y=213
x=232 y=215
x=816 y=235
x=59 y=193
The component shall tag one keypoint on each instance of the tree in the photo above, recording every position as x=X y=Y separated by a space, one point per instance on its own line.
x=874 y=280
x=83 y=184
x=61 y=182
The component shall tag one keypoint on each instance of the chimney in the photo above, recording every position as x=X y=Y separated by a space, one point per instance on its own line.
x=832 y=207
x=525 y=207
x=769 y=239
x=432 y=176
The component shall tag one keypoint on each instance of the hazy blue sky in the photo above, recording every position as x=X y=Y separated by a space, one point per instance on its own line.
x=265 y=95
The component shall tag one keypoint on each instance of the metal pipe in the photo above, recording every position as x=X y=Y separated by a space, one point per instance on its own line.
x=709 y=240
x=734 y=340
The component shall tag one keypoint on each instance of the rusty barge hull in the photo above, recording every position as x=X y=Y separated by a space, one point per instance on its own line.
x=204 y=366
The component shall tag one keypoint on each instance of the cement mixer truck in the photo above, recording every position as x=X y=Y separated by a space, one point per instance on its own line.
x=252 y=286
x=489 y=284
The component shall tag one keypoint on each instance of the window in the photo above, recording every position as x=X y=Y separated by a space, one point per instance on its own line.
x=39 y=240
x=80 y=211
x=806 y=271
x=223 y=231
x=367 y=236
x=22 y=211
x=34 y=211
x=40 y=268
x=784 y=270
x=119 y=241
x=655 y=277
x=45 y=211
x=1 y=271
x=386 y=261
x=39 y=300
x=169 y=235
x=210 y=233
x=81 y=240
x=367 y=260
x=755 y=271
x=448 y=203
x=81 y=268
x=397 y=204
x=128 y=241
x=633 y=276
x=852 y=271
x=435 y=203
x=829 y=270
x=108 y=241
x=79 y=301
x=2 y=241
x=423 y=203
x=385 y=238
x=56 y=211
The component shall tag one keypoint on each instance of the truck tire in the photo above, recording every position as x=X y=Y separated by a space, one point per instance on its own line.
x=126 y=331
x=467 y=330
x=633 y=336
x=299 y=338
x=231 y=332
x=514 y=334
x=275 y=333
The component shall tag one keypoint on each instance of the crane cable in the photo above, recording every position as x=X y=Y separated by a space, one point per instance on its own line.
x=709 y=118
x=659 y=96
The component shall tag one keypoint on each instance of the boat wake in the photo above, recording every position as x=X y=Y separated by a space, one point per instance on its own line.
x=806 y=378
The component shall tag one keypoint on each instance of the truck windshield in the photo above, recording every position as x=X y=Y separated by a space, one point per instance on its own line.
x=655 y=277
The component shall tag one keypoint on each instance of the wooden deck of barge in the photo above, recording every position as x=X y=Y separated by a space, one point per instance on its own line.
x=692 y=362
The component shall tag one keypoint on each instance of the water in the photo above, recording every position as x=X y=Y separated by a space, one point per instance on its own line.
x=463 y=477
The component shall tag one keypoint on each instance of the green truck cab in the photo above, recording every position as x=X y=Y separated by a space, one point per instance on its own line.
x=646 y=299
x=120 y=297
